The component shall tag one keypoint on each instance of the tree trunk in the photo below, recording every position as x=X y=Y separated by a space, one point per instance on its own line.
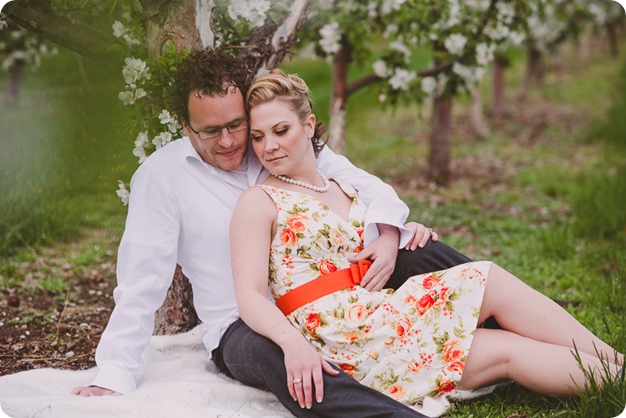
x=477 y=118
x=339 y=100
x=498 y=104
x=611 y=31
x=170 y=20
x=177 y=313
x=534 y=71
x=441 y=131
x=14 y=82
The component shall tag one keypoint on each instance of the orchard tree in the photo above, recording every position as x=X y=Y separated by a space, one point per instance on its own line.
x=548 y=24
x=19 y=49
x=461 y=36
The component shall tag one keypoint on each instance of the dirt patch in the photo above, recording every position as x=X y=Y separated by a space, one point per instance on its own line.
x=56 y=310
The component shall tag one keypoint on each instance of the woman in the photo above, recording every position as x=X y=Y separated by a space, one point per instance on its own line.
x=422 y=341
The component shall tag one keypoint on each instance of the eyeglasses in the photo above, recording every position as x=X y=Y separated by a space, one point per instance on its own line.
x=214 y=131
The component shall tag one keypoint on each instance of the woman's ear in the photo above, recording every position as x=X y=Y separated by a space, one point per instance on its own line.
x=310 y=126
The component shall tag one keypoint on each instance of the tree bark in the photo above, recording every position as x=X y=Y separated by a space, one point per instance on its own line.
x=177 y=314
x=339 y=99
x=170 y=20
x=441 y=131
x=534 y=71
x=477 y=117
x=14 y=82
x=611 y=31
x=498 y=104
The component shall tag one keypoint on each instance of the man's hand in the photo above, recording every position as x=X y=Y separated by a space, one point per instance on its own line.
x=420 y=237
x=93 y=391
x=383 y=252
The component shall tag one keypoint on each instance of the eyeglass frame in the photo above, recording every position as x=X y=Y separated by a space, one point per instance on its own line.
x=221 y=129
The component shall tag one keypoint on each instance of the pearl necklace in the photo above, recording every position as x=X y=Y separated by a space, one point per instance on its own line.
x=319 y=189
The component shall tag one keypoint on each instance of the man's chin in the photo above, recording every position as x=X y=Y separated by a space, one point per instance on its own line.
x=231 y=163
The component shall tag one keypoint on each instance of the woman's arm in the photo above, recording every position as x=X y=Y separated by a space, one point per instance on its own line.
x=250 y=238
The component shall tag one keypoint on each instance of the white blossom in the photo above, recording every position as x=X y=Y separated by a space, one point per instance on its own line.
x=390 y=5
x=142 y=138
x=121 y=31
x=484 y=53
x=401 y=78
x=331 y=38
x=3 y=24
x=118 y=29
x=140 y=153
x=429 y=85
x=506 y=12
x=455 y=43
x=381 y=70
x=123 y=193
x=469 y=74
x=400 y=47
x=135 y=70
x=162 y=139
x=391 y=29
x=254 y=11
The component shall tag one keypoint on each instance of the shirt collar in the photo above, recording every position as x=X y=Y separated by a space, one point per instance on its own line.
x=255 y=172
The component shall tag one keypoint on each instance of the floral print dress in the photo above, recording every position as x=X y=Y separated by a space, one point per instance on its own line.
x=409 y=344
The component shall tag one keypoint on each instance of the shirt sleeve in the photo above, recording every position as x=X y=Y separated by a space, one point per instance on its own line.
x=383 y=204
x=145 y=267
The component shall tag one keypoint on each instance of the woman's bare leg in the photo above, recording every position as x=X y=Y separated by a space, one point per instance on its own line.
x=519 y=308
x=550 y=369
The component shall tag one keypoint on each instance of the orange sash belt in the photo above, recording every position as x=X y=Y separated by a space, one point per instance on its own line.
x=322 y=286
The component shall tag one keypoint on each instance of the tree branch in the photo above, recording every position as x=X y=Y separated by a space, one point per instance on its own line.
x=373 y=78
x=37 y=16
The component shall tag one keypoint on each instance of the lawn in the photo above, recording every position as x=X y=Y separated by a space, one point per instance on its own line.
x=543 y=196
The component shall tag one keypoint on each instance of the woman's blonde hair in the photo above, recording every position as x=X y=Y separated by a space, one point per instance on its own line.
x=292 y=90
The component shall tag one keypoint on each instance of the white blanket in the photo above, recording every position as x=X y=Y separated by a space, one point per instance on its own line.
x=179 y=381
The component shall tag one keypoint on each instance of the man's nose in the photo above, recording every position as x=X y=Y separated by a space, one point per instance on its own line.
x=226 y=138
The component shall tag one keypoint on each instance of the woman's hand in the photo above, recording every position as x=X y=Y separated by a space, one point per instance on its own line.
x=304 y=372
x=420 y=237
x=382 y=252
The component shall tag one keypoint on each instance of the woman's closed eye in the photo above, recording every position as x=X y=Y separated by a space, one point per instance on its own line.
x=256 y=138
x=281 y=132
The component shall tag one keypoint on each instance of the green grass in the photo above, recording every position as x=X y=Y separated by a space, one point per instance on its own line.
x=550 y=210
x=62 y=155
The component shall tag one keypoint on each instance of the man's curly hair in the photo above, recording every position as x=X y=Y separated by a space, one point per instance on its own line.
x=210 y=71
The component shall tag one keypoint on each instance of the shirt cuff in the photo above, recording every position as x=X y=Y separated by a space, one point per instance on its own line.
x=370 y=233
x=113 y=378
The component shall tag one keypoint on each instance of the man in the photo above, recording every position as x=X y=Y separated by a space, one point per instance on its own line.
x=181 y=202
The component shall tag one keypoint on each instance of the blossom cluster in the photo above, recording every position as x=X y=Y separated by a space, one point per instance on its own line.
x=127 y=34
x=20 y=47
x=136 y=73
x=253 y=11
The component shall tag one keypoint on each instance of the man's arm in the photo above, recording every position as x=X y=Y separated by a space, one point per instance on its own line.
x=145 y=267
